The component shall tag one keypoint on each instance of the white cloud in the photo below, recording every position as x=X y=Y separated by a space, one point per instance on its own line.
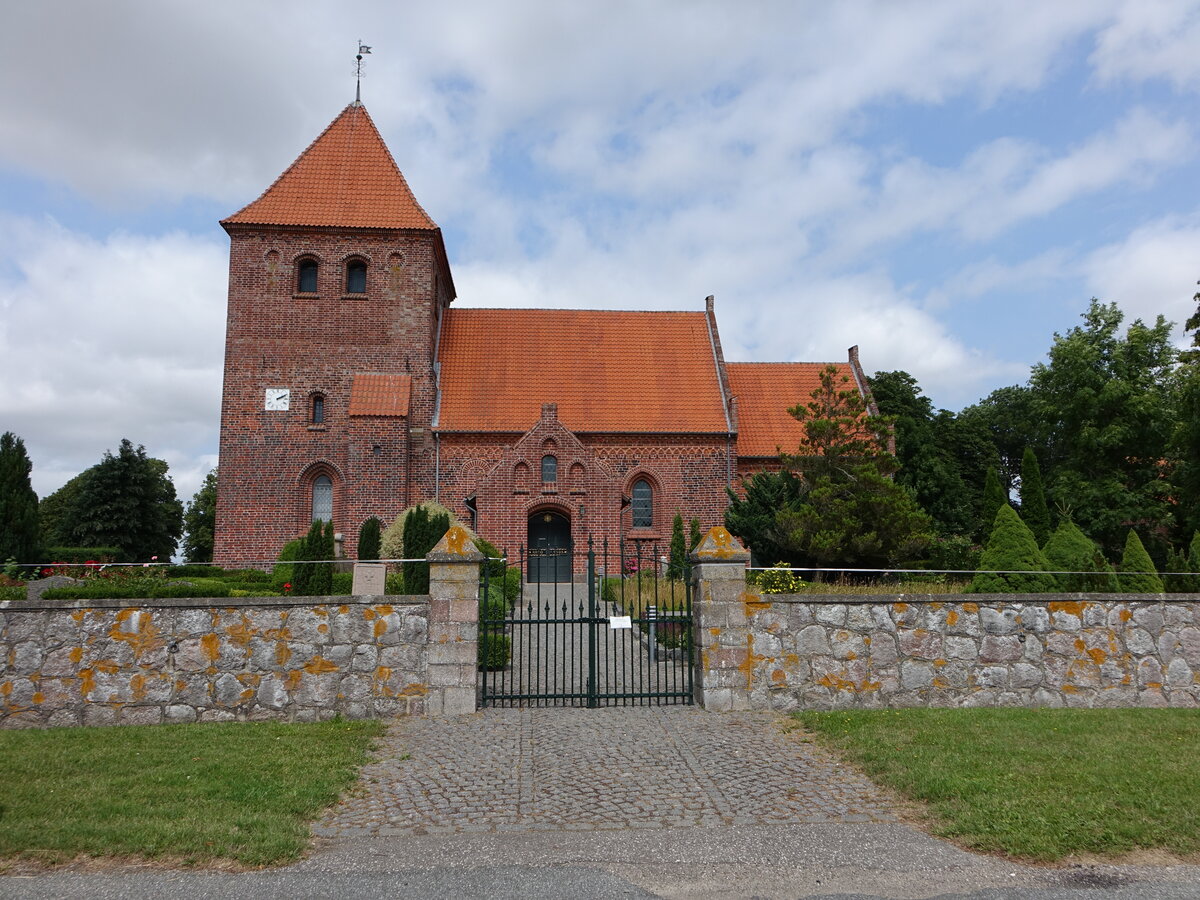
x=1151 y=39
x=1152 y=271
x=101 y=340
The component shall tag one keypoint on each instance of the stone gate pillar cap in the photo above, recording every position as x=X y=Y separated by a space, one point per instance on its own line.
x=719 y=546
x=456 y=545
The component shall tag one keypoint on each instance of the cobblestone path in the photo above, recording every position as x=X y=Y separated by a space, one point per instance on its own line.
x=581 y=769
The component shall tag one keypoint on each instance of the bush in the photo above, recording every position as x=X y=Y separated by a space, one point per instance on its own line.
x=133 y=589
x=778 y=580
x=195 y=571
x=507 y=587
x=80 y=555
x=10 y=593
x=1070 y=550
x=954 y=553
x=284 y=572
x=495 y=564
x=369 y=539
x=422 y=531
x=393 y=583
x=495 y=650
x=342 y=584
x=494 y=609
x=257 y=576
x=1012 y=562
x=1138 y=575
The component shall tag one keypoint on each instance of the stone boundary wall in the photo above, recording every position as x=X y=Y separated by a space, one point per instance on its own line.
x=1078 y=650
x=801 y=651
x=94 y=662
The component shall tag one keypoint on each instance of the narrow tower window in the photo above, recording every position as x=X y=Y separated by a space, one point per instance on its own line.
x=549 y=469
x=356 y=277
x=318 y=409
x=306 y=276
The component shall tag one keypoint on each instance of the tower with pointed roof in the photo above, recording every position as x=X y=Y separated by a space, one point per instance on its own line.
x=338 y=282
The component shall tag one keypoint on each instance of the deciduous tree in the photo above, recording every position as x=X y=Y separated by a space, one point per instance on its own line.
x=199 y=521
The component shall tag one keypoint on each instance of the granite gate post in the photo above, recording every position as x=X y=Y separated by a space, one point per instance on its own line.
x=453 y=623
x=721 y=628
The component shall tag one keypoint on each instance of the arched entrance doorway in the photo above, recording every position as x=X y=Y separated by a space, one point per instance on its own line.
x=549 y=547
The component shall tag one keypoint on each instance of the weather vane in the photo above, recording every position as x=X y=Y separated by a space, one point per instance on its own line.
x=363 y=50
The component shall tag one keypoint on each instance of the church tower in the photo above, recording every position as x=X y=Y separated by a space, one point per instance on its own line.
x=338 y=281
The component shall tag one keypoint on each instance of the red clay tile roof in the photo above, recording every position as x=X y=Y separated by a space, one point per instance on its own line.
x=346 y=178
x=764 y=391
x=380 y=395
x=608 y=371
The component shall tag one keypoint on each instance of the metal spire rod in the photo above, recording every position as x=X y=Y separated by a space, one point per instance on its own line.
x=363 y=49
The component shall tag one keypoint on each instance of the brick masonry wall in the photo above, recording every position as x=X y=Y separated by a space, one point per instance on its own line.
x=315 y=343
x=798 y=651
x=688 y=474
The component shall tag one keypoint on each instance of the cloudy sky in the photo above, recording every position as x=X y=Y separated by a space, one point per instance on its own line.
x=944 y=184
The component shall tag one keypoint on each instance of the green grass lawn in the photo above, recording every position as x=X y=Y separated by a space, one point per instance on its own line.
x=1036 y=783
x=239 y=791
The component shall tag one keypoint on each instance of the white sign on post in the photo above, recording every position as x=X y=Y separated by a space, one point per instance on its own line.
x=615 y=622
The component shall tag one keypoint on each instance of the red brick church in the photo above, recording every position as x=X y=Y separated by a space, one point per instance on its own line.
x=353 y=388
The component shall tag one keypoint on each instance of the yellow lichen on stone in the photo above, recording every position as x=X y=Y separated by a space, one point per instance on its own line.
x=211 y=645
x=319 y=664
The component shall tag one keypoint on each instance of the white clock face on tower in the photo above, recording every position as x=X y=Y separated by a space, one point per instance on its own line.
x=277 y=399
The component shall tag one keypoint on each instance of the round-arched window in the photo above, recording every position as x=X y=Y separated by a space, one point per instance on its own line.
x=356 y=277
x=306 y=276
x=322 y=499
x=643 y=504
x=549 y=468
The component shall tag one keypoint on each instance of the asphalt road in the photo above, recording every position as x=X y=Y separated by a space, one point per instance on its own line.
x=829 y=861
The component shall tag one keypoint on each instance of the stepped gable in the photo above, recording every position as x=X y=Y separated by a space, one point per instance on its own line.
x=609 y=371
x=346 y=178
x=764 y=392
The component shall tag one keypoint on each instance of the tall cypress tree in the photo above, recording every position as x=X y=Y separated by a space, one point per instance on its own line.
x=18 y=502
x=993 y=499
x=677 y=562
x=368 y=539
x=695 y=537
x=1034 y=511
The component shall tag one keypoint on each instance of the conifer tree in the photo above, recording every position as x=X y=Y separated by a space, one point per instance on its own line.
x=993 y=498
x=695 y=537
x=1193 y=556
x=1012 y=562
x=321 y=580
x=677 y=562
x=422 y=531
x=1177 y=578
x=1034 y=511
x=1069 y=550
x=310 y=546
x=18 y=502
x=368 y=539
x=1138 y=575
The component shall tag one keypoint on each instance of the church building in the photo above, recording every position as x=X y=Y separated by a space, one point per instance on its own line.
x=354 y=388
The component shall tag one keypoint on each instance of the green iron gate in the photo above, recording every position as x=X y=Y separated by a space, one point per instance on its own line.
x=617 y=634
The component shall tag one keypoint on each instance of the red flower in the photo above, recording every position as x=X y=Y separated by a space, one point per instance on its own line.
x=287 y=587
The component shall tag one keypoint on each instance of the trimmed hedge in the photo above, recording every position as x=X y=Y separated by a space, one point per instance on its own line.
x=128 y=591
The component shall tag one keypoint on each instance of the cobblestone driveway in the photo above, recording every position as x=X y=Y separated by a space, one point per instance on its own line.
x=581 y=769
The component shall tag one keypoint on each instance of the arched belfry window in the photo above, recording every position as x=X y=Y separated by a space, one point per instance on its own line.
x=549 y=468
x=322 y=499
x=643 y=504
x=306 y=276
x=356 y=277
